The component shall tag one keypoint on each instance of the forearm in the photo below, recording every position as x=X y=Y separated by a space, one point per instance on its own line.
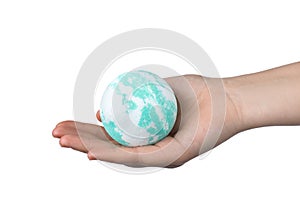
x=267 y=98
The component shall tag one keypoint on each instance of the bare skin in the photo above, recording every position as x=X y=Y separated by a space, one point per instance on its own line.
x=266 y=98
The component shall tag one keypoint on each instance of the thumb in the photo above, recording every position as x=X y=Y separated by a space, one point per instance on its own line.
x=98 y=115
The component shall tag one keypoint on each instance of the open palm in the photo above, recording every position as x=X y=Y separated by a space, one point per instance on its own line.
x=194 y=123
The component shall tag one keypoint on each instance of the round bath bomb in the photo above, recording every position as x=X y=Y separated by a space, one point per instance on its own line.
x=138 y=108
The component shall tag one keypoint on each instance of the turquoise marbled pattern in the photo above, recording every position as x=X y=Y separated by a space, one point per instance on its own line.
x=138 y=108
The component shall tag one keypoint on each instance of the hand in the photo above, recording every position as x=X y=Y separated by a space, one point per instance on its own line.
x=210 y=114
x=194 y=127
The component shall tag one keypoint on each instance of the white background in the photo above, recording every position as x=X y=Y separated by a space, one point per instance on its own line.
x=42 y=47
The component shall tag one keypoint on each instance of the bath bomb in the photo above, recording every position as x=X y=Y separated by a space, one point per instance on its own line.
x=138 y=108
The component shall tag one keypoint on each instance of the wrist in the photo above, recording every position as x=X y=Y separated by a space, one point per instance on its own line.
x=240 y=92
x=266 y=98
